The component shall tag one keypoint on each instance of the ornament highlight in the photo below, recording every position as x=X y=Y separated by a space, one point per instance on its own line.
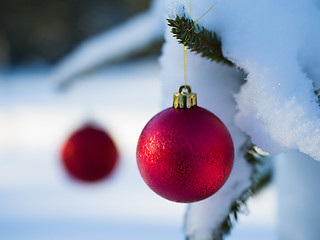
x=185 y=153
x=89 y=154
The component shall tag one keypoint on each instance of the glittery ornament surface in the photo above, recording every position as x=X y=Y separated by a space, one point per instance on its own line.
x=89 y=154
x=185 y=155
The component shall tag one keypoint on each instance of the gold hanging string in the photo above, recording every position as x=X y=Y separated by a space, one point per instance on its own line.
x=184 y=44
x=185 y=65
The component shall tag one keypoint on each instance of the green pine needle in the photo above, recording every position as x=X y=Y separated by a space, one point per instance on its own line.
x=197 y=39
x=259 y=181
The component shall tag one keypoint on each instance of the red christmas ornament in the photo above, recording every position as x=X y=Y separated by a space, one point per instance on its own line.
x=185 y=153
x=89 y=154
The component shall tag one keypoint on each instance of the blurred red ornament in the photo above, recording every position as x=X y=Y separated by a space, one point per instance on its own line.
x=185 y=154
x=89 y=154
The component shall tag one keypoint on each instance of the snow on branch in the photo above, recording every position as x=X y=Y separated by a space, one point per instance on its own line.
x=278 y=106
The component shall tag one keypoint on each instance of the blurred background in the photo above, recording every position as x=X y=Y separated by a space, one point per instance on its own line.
x=38 y=112
x=42 y=32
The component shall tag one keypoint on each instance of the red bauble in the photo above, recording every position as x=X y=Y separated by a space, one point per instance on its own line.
x=89 y=154
x=185 y=155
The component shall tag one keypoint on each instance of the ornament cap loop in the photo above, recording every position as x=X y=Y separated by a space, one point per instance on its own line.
x=184 y=99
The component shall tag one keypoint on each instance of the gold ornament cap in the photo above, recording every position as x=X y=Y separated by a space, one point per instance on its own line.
x=184 y=99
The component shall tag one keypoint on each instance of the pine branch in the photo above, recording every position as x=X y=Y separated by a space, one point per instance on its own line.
x=208 y=44
x=259 y=181
x=259 y=178
x=198 y=39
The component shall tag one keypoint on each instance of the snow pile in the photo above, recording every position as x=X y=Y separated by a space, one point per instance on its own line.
x=276 y=44
x=214 y=85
